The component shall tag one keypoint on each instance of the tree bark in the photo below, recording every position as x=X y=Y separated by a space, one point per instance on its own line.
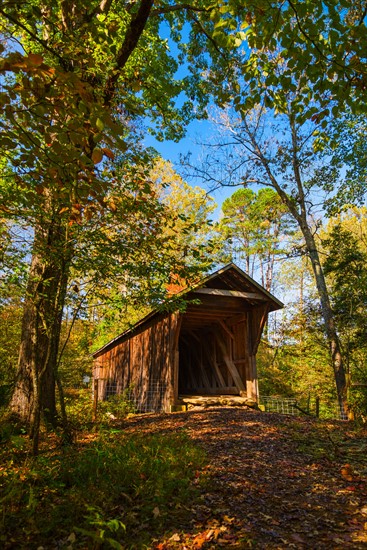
x=34 y=393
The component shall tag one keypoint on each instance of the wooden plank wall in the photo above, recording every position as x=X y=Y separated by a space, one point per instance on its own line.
x=144 y=362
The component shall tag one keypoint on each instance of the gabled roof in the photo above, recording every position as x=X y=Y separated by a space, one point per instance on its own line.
x=234 y=278
x=229 y=281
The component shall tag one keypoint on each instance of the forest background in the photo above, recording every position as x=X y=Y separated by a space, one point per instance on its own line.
x=97 y=228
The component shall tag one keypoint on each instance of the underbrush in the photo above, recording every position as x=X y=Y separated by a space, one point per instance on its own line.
x=112 y=491
x=330 y=440
x=80 y=412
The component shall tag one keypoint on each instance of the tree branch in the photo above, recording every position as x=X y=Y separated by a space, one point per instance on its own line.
x=177 y=7
x=133 y=34
x=36 y=38
x=207 y=35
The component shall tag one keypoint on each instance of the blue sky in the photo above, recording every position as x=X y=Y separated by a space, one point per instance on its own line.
x=171 y=151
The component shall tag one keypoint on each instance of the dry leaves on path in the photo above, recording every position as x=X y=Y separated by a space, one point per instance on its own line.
x=272 y=481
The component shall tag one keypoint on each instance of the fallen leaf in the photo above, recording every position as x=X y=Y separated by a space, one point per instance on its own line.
x=347 y=472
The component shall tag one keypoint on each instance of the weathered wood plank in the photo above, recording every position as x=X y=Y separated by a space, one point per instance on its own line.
x=192 y=333
x=232 y=293
x=176 y=360
x=226 y=329
x=258 y=319
x=226 y=390
x=212 y=362
x=229 y=363
x=203 y=372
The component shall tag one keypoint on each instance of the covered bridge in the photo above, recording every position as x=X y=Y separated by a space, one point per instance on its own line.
x=209 y=349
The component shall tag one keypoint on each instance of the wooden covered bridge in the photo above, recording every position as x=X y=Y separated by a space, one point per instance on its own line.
x=209 y=349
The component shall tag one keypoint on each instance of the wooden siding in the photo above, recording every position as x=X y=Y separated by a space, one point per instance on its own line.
x=143 y=363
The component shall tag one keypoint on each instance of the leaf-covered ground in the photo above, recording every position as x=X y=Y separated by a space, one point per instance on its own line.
x=224 y=477
x=272 y=481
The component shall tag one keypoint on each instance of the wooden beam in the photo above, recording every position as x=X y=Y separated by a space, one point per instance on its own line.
x=236 y=319
x=213 y=364
x=226 y=329
x=232 y=390
x=199 y=364
x=232 y=293
x=176 y=359
x=188 y=371
x=230 y=365
x=257 y=330
x=192 y=333
x=252 y=383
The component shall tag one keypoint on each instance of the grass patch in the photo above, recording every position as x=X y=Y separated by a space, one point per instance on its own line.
x=339 y=441
x=112 y=492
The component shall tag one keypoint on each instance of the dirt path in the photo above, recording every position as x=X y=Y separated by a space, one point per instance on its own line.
x=272 y=481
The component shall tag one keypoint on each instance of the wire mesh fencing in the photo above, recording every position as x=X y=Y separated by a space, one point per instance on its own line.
x=295 y=407
x=280 y=405
x=146 y=398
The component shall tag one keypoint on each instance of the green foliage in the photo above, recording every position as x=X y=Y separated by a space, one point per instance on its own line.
x=345 y=265
x=79 y=408
x=78 y=403
x=294 y=361
x=191 y=208
x=347 y=147
x=278 y=45
x=10 y=327
x=107 y=530
x=116 y=406
x=253 y=227
x=13 y=274
x=75 y=361
x=298 y=368
x=114 y=490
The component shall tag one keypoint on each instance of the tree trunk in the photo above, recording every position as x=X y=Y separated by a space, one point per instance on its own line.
x=299 y=211
x=34 y=393
x=328 y=317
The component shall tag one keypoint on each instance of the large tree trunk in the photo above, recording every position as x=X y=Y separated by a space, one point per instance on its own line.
x=34 y=394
